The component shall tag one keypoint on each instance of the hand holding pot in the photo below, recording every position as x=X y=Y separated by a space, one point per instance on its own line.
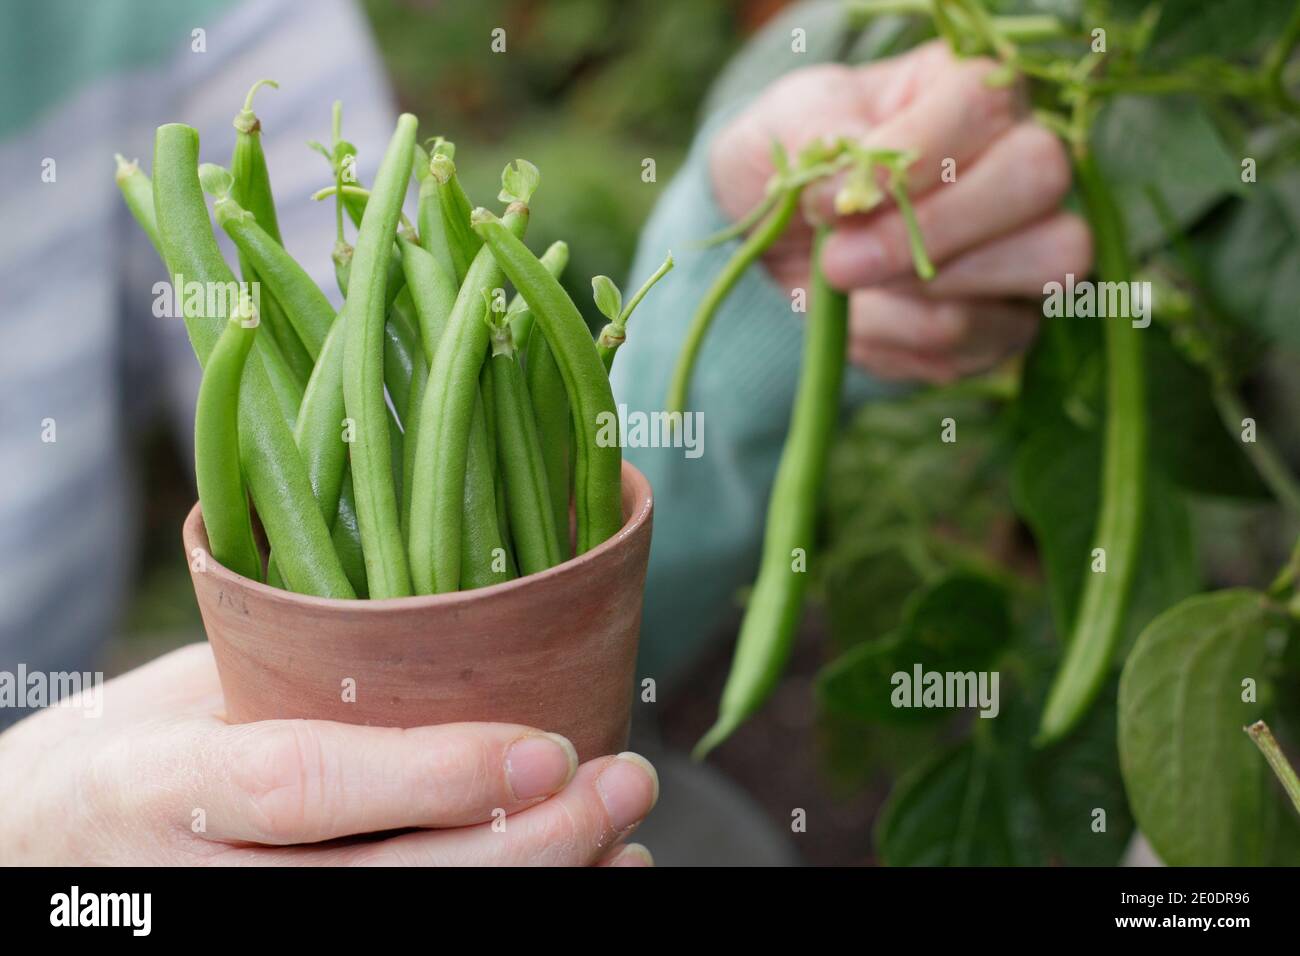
x=987 y=184
x=161 y=779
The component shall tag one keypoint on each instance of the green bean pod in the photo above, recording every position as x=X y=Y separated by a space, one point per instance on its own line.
x=758 y=242
x=484 y=558
x=272 y=466
x=346 y=537
x=363 y=375
x=598 y=456
x=319 y=431
x=299 y=297
x=550 y=405
x=556 y=259
x=433 y=293
x=446 y=419
x=137 y=190
x=532 y=521
x=222 y=495
x=772 y=616
x=433 y=235
x=461 y=242
x=252 y=191
x=1099 y=620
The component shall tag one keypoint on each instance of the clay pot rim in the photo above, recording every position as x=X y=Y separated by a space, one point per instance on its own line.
x=634 y=482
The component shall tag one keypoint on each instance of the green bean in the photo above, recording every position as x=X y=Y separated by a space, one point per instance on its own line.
x=772 y=616
x=433 y=292
x=555 y=258
x=137 y=190
x=446 y=419
x=550 y=404
x=613 y=335
x=318 y=430
x=301 y=300
x=363 y=375
x=532 y=522
x=767 y=232
x=550 y=407
x=222 y=495
x=251 y=189
x=274 y=471
x=598 y=457
x=346 y=537
x=484 y=559
x=1099 y=619
x=433 y=234
x=462 y=243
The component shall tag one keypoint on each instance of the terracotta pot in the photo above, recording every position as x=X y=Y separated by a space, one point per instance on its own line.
x=554 y=650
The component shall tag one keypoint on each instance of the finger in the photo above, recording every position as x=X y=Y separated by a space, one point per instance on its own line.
x=302 y=781
x=895 y=336
x=1014 y=266
x=607 y=799
x=955 y=119
x=633 y=854
x=1019 y=179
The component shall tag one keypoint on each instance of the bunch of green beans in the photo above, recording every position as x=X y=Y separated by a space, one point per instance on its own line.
x=418 y=439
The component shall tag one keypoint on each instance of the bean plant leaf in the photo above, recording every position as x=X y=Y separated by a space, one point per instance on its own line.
x=519 y=180
x=1199 y=789
x=999 y=800
x=1169 y=141
x=962 y=809
x=956 y=625
x=1195 y=28
x=1056 y=488
x=607 y=297
x=1255 y=260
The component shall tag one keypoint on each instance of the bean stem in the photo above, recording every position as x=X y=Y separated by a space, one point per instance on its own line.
x=766 y=233
x=1268 y=746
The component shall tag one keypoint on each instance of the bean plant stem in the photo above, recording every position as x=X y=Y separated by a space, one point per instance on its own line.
x=1268 y=746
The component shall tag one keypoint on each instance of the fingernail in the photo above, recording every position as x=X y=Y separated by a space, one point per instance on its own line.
x=634 y=854
x=540 y=764
x=629 y=788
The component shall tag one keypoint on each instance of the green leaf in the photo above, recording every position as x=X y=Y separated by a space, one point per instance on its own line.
x=1195 y=28
x=1169 y=141
x=519 y=180
x=1199 y=789
x=1255 y=259
x=959 y=624
x=607 y=297
x=964 y=809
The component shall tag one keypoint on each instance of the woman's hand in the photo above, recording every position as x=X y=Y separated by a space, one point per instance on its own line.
x=161 y=779
x=995 y=231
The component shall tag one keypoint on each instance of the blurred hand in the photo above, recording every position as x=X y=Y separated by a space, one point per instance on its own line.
x=996 y=234
x=124 y=788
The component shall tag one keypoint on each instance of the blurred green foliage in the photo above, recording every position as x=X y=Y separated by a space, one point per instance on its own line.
x=585 y=89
